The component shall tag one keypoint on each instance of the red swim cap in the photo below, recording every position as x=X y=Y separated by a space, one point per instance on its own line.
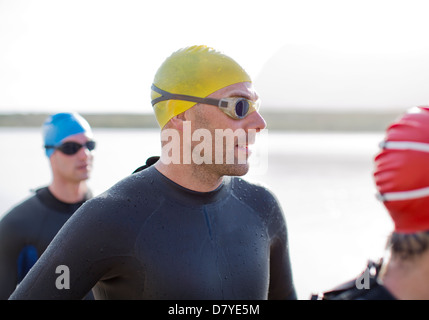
x=402 y=171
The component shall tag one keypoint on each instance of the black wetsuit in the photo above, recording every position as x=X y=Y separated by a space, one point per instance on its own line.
x=26 y=231
x=350 y=291
x=149 y=238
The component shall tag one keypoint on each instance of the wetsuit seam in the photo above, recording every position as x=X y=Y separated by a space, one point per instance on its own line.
x=206 y=217
x=219 y=250
x=280 y=228
x=153 y=213
x=256 y=212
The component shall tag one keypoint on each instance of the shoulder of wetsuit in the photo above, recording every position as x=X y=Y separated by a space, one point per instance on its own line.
x=21 y=209
x=349 y=289
x=150 y=161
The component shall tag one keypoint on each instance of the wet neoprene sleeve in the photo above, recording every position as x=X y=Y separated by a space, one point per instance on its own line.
x=149 y=238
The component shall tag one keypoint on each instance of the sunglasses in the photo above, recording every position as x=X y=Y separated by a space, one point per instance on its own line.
x=71 y=147
x=236 y=108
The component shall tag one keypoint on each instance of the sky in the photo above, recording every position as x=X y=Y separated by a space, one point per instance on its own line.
x=101 y=55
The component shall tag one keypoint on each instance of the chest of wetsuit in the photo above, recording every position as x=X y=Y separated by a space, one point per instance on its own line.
x=149 y=238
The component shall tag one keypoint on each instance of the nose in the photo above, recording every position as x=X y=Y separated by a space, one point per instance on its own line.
x=256 y=121
x=84 y=153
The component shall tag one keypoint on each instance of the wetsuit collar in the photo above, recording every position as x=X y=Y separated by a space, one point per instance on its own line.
x=49 y=200
x=186 y=196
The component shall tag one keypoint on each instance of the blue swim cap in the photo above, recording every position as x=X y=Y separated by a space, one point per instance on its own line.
x=60 y=126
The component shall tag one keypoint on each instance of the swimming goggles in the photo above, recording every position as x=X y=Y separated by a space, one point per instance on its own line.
x=71 y=147
x=237 y=108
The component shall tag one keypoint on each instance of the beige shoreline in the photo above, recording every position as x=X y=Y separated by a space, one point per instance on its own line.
x=288 y=121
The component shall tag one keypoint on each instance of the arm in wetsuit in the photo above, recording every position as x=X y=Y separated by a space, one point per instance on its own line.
x=281 y=284
x=281 y=280
x=11 y=243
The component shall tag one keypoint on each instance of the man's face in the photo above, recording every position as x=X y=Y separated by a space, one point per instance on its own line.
x=76 y=167
x=230 y=138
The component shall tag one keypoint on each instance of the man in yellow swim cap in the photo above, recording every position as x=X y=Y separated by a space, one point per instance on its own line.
x=201 y=93
x=183 y=227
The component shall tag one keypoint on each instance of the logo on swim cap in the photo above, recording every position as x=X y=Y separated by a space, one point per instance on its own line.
x=62 y=125
x=195 y=71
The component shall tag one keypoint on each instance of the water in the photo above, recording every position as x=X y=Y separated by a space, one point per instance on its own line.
x=322 y=180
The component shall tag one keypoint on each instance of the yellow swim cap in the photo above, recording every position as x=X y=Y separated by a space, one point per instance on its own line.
x=196 y=71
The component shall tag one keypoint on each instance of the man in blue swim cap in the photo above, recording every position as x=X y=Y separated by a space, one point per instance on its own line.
x=28 y=228
x=68 y=144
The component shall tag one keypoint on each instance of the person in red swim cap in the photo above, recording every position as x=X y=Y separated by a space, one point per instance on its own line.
x=402 y=171
x=401 y=175
x=402 y=178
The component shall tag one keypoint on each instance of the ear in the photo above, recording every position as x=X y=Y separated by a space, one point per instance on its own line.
x=177 y=121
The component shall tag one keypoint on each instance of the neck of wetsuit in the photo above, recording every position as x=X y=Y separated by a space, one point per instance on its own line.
x=186 y=196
